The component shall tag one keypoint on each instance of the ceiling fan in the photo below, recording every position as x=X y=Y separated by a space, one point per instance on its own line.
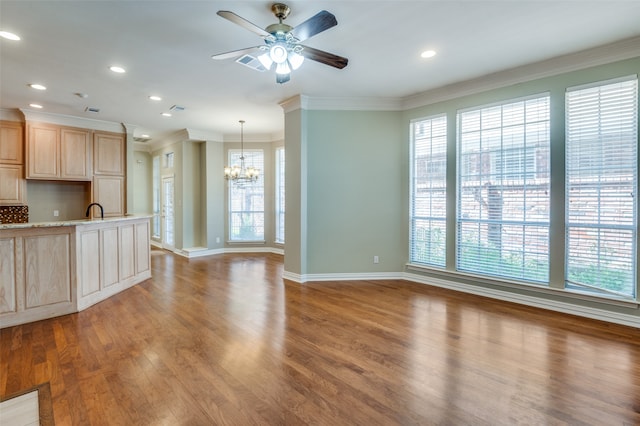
x=282 y=42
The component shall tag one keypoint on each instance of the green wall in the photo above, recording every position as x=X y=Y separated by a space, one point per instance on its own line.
x=355 y=184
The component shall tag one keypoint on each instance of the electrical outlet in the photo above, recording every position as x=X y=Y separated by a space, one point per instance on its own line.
x=217 y=239
x=376 y=259
x=56 y=213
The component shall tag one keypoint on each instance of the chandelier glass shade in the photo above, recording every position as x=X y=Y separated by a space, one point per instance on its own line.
x=240 y=174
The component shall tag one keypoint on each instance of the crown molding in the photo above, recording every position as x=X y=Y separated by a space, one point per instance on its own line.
x=11 y=114
x=601 y=55
x=609 y=53
x=72 y=121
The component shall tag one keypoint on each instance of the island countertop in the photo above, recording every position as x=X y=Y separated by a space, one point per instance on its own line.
x=49 y=269
x=74 y=222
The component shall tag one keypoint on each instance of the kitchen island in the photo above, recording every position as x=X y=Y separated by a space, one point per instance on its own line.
x=49 y=269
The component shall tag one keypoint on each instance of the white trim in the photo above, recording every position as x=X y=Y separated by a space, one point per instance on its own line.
x=194 y=252
x=292 y=276
x=536 y=302
x=72 y=121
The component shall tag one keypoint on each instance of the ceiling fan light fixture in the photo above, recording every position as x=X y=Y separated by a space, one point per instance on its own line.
x=283 y=68
x=278 y=53
x=265 y=60
x=295 y=60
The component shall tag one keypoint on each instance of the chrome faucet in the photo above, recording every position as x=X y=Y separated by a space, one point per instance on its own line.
x=95 y=204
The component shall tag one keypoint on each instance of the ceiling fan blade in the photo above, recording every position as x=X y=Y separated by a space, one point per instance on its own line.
x=243 y=23
x=234 y=53
x=324 y=57
x=318 y=23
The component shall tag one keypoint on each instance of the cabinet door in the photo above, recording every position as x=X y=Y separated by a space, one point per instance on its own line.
x=7 y=275
x=43 y=159
x=109 y=192
x=12 y=185
x=75 y=154
x=108 y=154
x=11 y=143
x=47 y=276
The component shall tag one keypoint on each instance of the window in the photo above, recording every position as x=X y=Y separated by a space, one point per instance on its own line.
x=280 y=195
x=246 y=201
x=503 y=190
x=428 y=191
x=156 y=197
x=602 y=186
x=168 y=160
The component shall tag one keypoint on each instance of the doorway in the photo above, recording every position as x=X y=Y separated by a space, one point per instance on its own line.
x=168 y=213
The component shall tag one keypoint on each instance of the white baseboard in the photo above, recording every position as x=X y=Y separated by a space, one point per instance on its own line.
x=537 y=302
x=193 y=252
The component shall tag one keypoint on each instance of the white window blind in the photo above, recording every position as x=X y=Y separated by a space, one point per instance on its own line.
x=428 y=191
x=602 y=186
x=280 y=195
x=246 y=202
x=503 y=190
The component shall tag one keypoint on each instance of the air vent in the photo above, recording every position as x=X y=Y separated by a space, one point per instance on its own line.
x=251 y=62
x=176 y=108
x=139 y=139
x=92 y=109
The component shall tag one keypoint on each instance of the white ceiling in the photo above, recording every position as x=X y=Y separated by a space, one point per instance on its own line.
x=166 y=48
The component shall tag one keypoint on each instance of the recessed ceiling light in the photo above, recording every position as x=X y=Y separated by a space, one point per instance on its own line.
x=428 y=54
x=37 y=86
x=117 y=69
x=155 y=98
x=166 y=114
x=38 y=106
x=9 y=36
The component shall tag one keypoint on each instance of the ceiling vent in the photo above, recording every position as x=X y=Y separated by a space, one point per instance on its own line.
x=251 y=62
x=92 y=109
x=176 y=108
x=140 y=139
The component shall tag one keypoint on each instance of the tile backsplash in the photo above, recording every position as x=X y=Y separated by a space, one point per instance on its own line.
x=14 y=214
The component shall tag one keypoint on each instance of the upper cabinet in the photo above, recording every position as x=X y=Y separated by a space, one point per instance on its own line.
x=12 y=182
x=75 y=154
x=58 y=153
x=109 y=170
x=11 y=142
x=109 y=153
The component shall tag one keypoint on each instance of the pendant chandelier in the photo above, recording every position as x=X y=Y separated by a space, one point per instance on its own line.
x=240 y=174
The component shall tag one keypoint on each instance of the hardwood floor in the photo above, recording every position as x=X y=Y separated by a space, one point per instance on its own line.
x=224 y=340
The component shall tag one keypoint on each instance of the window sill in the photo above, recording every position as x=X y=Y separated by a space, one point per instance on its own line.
x=522 y=285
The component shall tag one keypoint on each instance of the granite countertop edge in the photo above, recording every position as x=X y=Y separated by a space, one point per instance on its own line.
x=76 y=222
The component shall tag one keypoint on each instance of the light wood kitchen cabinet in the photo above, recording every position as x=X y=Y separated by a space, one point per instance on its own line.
x=55 y=268
x=43 y=152
x=12 y=185
x=58 y=153
x=11 y=142
x=109 y=154
x=36 y=279
x=12 y=182
x=109 y=192
x=75 y=154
